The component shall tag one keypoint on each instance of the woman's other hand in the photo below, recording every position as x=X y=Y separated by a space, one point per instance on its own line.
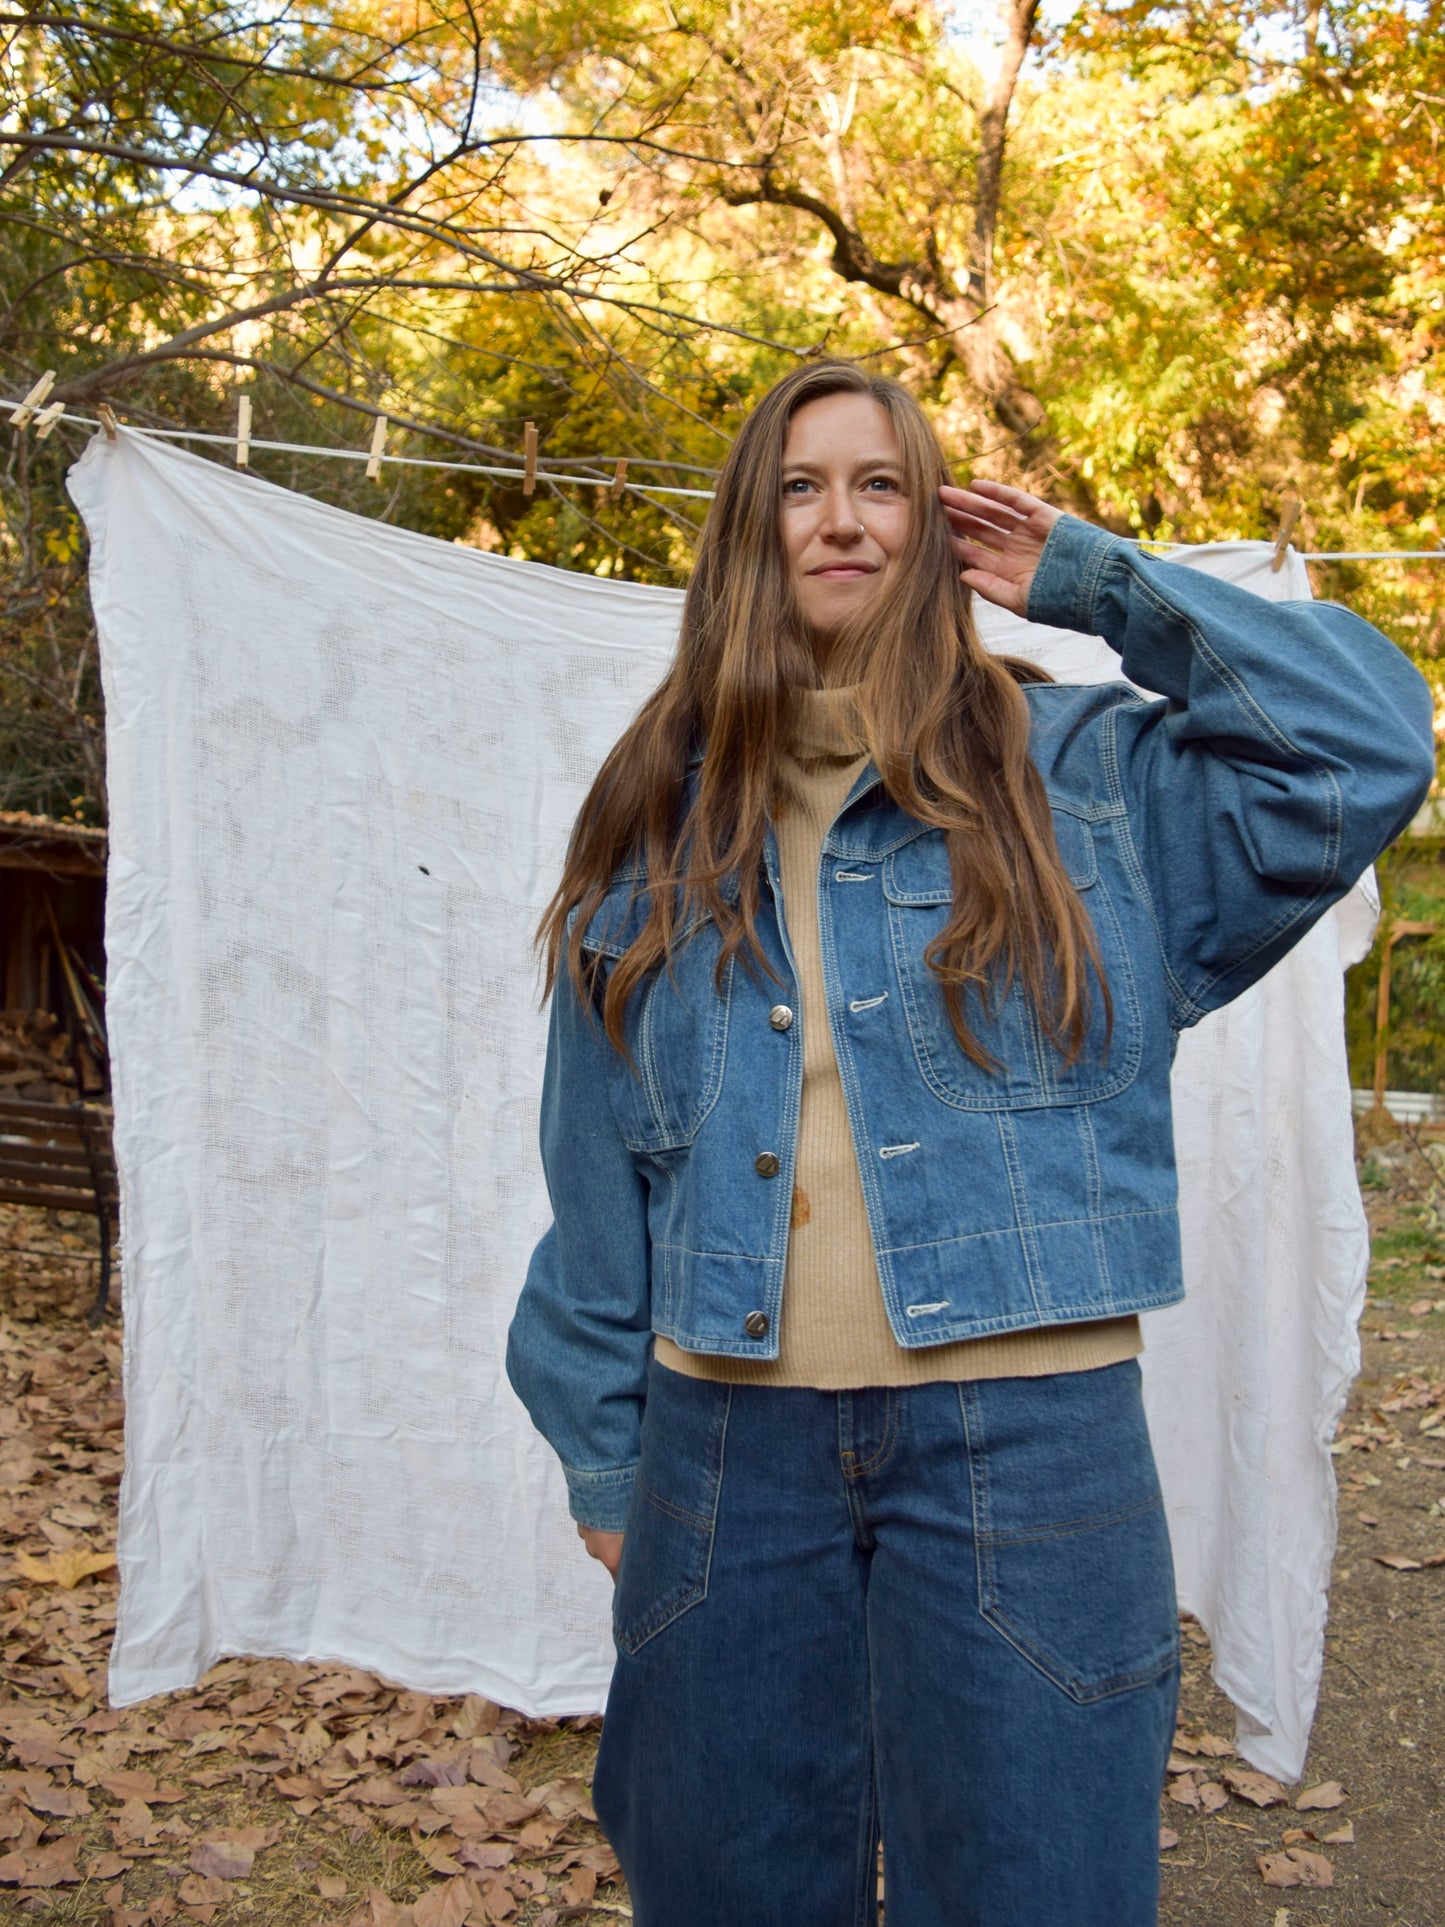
x=998 y=536
x=606 y=1546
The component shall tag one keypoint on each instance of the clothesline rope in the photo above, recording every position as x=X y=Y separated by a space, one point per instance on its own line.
x=517 y=471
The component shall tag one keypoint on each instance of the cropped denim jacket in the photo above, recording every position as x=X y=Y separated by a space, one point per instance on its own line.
x=1204 y=831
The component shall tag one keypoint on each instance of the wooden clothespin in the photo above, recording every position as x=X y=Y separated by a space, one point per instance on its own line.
x=1293 y=509
x=619 y=481
x=107 y=419
x=529 y=458
x=243 y=431
x=27 y=410
x=47 y=418
x=378 y=443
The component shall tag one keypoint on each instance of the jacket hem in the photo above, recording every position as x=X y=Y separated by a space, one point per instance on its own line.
x=957 y=1330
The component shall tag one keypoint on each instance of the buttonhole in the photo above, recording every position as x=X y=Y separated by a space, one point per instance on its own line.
x=424 y=870
x=895 y=1150
x=868 y=1003
x=922 y=1311
x=852 y=876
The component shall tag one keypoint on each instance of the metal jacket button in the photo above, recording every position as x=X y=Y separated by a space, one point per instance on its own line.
x=780 y=1017
x=767 y=1164
x=756 y=1324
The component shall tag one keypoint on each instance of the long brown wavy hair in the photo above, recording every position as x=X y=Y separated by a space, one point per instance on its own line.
x=944 y=721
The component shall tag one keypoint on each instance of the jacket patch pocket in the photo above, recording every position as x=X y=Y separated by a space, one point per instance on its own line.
x=667 y=1550
x=1074 y=1569
x=682 y=1040
x=1031 y=1072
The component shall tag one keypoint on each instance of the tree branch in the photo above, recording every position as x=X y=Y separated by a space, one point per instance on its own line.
x=992 y=139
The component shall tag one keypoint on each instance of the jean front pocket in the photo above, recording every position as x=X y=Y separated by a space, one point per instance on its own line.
x=1074 y=1565
x=667 y=1548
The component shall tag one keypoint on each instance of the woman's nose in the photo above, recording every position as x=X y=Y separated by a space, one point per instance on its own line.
x=840 y=519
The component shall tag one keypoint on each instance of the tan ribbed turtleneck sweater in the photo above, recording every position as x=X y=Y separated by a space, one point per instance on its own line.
x=835 y=1332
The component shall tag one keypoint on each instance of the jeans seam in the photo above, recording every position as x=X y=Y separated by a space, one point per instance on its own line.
x=1074 y=1528
x=866 y=1914
x=671 y=1511
x=631 y=1640
x=889 y=1442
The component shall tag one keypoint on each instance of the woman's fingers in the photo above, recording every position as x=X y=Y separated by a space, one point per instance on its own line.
x=967 y=511
x=1004 y=512
x=1011 y=503
x=985 y=534
x=1001 y=492
x=998 y=535
x=998 y=589
x=603 y=1546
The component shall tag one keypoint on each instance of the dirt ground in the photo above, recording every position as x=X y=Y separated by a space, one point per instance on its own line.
x=1380 y=1730
x=282 y=1796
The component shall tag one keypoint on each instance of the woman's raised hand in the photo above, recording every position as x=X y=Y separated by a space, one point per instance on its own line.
x=998 y=536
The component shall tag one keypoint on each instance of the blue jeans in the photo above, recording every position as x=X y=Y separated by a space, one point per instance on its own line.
x=943 y=1613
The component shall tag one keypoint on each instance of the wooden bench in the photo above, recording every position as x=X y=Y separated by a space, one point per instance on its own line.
x=61 y=1156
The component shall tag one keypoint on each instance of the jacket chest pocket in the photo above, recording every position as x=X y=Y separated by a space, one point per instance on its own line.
x=918 y=888
x=676 y=1027
x=676 y=1031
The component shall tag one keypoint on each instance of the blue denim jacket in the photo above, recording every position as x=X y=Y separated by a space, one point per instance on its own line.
x=1205 y=833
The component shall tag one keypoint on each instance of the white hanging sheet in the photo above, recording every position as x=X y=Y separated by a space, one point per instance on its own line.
x=344 y=760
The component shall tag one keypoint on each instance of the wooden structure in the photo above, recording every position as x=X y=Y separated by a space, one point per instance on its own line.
x=52 y=951
x=55 y=1120
x=60 y=1156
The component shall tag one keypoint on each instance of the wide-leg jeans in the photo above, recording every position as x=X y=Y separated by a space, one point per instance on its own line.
x=943 y=1613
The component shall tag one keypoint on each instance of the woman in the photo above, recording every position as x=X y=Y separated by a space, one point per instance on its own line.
x=867 y=965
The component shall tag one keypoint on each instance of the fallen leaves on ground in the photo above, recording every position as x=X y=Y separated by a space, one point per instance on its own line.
x=1207 y=1745
x=1398 y=1562
x=1258 y=1788
x=271 y=1782
x=1295 y=1867
x=63 y=1569
x=1329 y=1793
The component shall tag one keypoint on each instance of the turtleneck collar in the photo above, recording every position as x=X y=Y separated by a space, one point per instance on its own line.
x=827 y=724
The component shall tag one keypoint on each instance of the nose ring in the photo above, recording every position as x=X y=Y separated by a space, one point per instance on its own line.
x=861 y=529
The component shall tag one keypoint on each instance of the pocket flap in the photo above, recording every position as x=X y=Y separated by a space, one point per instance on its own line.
x=616 y=923
x=918 y=873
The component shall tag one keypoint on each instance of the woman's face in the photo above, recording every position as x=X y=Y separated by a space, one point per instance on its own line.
x=843 y=515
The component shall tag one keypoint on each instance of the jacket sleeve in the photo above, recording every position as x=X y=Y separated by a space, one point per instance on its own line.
x=1292 y=744
x=577 y=1351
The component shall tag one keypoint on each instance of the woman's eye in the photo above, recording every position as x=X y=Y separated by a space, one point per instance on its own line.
x=796 y=486
x=883 y=484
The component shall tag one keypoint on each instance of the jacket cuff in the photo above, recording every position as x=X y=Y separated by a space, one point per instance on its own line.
x=599 y=1500
x=1066 y=582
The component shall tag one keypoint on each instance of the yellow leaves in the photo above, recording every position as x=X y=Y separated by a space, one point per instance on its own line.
x=64 y=542
x=65 y=1569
